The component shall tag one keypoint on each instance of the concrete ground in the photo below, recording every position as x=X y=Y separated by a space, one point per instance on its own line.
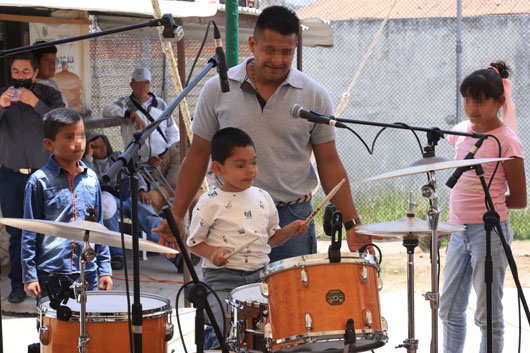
x=19 y=330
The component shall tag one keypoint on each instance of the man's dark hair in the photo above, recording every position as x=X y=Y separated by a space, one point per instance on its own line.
x=46 y=50
x=278 y=19
x=224 y=141
x=27 y=55
x=56 y=119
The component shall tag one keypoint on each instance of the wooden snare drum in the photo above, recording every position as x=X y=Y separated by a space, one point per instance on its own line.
x=311 y=301
x=107 y=324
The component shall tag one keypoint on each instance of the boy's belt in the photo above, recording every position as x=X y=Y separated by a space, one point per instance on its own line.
x=304 y=198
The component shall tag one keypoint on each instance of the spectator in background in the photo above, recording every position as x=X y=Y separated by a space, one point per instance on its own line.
x=46 y=58
x=141 y=108
x=22 y=105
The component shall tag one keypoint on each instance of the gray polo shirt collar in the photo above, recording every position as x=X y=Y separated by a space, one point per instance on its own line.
x=239 y=73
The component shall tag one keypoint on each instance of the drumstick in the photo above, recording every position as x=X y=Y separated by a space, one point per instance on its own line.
x=238 y=249
x=326 y=199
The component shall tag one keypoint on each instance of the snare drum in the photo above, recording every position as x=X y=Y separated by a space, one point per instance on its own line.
x=249 y=309
x=311 y=301
x=107 y=325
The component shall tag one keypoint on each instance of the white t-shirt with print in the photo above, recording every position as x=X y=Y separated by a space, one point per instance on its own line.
x=230 y=219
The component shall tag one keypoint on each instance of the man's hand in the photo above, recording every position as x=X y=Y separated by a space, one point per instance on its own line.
x=105 y=283
x=33 y=289
x=144 y=198
x=356 y=240
x=28 y=97
x=5 y=98
x=154 y=161
x=139 y=123
x=165 y=237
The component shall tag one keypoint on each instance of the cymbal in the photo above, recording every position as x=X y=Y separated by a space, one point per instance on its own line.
x=98 y=233
x=432 y=164
x=407 y=228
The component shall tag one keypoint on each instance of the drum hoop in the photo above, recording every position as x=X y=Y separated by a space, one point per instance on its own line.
x=237 y=303
x=314 y=260
x=110 y=316
x=323 y=336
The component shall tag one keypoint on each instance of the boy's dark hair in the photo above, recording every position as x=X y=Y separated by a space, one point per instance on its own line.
x=486 y=83
x=55 y=119
x=224 y=141
x=27 y=55
x=46 y=50
x=278 y=19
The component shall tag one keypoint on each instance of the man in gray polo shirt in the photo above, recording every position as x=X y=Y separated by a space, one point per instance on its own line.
x=262 y=90
x=22 y=105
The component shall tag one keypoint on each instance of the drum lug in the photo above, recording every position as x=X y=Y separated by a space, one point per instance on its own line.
x=303 y=277
x=379 y=282
x=264 y=289
x=44 y=335
x=168 y=331
x=267 y=331
x=367 y=317
x=364 y=273
x=384 y=324
x=308 y=322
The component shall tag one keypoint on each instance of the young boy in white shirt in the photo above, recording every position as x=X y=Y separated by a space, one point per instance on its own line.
x=226 y=218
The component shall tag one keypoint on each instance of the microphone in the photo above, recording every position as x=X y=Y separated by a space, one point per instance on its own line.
x=458 y=172
x=297 y=111
x=222 y=67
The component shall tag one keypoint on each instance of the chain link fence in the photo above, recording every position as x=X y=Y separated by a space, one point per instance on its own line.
x=410 y=77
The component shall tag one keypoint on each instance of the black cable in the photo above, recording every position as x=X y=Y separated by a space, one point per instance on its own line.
x=371 y=150
x=177 y=312
x=199 y=52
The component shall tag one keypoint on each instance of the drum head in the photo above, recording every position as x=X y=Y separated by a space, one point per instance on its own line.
x=250 y=293
x=108 y=303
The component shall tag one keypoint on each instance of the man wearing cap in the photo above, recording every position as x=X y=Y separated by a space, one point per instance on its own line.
x=46 y=58
x=140 y=109
x=22 y=105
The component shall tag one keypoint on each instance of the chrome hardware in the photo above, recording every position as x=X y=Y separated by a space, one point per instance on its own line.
x=308 y=322
x=44 y=335
x=364 y=274
x=303 y=277
x=367 y=317
x=264 y=287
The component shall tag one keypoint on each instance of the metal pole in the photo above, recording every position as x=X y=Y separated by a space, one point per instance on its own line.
x=458 y=60
x=232 y=33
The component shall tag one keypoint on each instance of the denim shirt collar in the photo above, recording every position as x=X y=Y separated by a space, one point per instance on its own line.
x=55 y=168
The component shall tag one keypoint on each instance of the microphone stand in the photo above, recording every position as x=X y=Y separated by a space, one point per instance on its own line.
x=491 y=221
x=130 y=159
x=166 y=21
x=198 y=293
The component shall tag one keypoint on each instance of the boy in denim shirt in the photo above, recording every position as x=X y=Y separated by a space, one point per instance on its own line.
x=62 y=191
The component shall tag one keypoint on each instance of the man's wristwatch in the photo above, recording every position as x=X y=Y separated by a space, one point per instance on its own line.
x=352 y=223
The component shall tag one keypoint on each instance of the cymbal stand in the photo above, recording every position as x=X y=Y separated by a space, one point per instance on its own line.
x=80 y=289
x=433 y=216
x=411 y=343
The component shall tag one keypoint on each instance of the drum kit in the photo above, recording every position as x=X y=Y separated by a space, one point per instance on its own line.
x=303 y=304
x=309 y=304
x=103 y=314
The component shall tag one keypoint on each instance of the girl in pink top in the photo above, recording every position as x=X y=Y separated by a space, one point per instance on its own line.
x=484 y=95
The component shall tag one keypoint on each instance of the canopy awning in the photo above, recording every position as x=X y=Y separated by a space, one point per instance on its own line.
x=199 y=8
